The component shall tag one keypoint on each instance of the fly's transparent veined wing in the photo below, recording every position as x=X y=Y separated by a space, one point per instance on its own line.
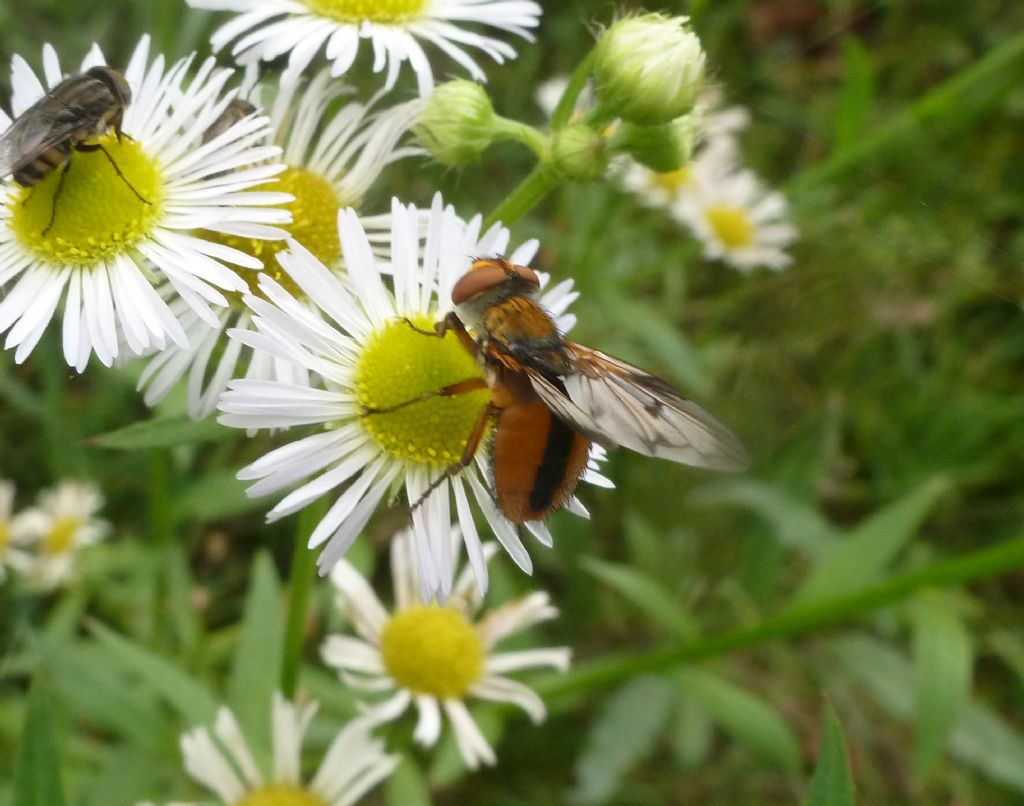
x=615 y=403
x=73 y=106
x=28 y=137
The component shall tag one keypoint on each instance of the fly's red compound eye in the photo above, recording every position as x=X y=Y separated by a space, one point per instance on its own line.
x=488 y=273
x=527 y=274
x=483 y=276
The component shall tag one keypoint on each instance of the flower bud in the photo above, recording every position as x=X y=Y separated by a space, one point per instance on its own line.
x=648 y=69
x=457 y=122
x=579 y=153
x=663 y=148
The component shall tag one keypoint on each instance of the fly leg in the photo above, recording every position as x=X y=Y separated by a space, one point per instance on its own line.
x=459 y=388
x=450 y=322
x=486 y=416
x=99 y=147
x=56 y=195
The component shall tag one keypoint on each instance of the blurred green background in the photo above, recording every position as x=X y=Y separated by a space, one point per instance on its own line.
x=877 y=383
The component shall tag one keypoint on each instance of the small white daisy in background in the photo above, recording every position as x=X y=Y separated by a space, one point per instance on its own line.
x=719 y=125
x=11 y=556
x=725 y=206
x=368 y=357
x=222 y=761
x=331 y=162
x=267 y=29
x=436 y=657
x=53 y=531
x=105 y=247
x=736 y=219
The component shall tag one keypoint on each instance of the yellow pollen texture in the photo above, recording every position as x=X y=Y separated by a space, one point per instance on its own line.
x=314 y=225
x=732 y=225
x=281 y=795
x=382 y=11
x=673 y=181
x=61 y=538
x=5 y=534
x=398 y=365
x=97 y=215
x=434 y=650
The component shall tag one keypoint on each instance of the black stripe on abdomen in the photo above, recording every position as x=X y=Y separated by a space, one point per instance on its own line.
x=551 y=472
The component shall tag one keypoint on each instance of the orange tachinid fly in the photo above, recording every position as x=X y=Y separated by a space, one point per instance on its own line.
x=551 y=398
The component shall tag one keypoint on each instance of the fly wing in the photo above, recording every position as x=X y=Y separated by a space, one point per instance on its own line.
x=616 y=403
x=73 y=105
x=25 y=140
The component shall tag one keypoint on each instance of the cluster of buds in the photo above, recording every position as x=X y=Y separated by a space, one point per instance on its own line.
x=647 y=70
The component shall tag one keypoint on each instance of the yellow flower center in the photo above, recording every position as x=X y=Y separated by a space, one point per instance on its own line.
x=281 y=795
x=393 y=12
x=314 y=225
x=397 y=366
x=732 y=225
x=96 y=215
x=61 y=537
x=5 y=534
x=429 y=649
x=673 y=181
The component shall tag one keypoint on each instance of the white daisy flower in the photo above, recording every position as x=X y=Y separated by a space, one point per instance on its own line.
x=331 y=162
x=736 y=219
x=57 y=528
x=369 y=357
x=222 y=761
x=436 y=657
x=110 y=236
x=268 y=29
x=719 y=125
x=11 y=556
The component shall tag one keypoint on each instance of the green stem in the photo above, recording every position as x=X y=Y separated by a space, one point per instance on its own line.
x=794 y=621
x=567 y=103
x=517 y=132
x=303 y=572
x=542 y=179
x=161 y=520
x=527 y=195
x=947 y=100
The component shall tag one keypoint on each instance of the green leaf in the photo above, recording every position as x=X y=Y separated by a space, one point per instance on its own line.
x=162 y=432
x=647 y=594
x=988 y=742
x=982 y=738
x=867 y=551
x=257 y=662
x=624 y=733
x=748 y=718
x=693 y=735
x=943 y=661
x=37 y=769
x=796 y=525
x=181 y=615
x=193 y=701
x=407 y=786
x=96 y=690
x=215 y=496
x=855 y=96
x=832 y=783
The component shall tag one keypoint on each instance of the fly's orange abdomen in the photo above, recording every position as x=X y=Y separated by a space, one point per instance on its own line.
x=538 y=460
